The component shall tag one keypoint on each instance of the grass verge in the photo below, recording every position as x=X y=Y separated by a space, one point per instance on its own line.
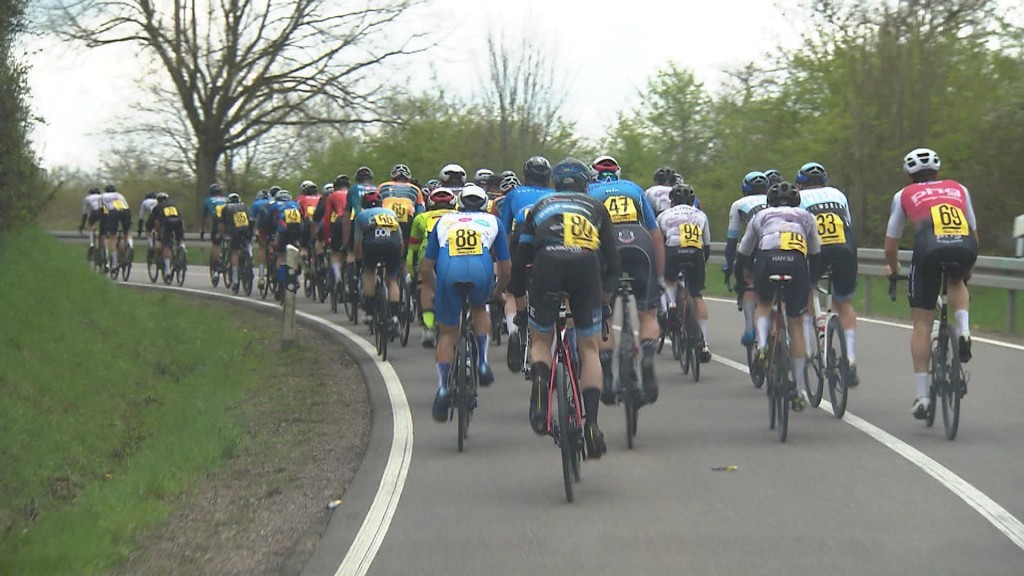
x=112 y=402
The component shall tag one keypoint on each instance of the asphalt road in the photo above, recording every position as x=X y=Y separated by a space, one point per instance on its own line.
x=874 y=493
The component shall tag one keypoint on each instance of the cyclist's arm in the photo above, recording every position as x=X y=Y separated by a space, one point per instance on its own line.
x=610 y=254
x=969 y=214
x=706 y=235
x=893 y=231
x=520 y=260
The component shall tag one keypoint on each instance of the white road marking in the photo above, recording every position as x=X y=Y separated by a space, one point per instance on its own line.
x=989 y=509
x=375 y=526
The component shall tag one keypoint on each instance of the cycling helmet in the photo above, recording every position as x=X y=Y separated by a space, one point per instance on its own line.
x=431 y=184
x=537 y=169
x=92 y=191
x=342 y=181
x=473 y=198
x=363 y=173
x=482 y=175
x=401 y=170
x=282 y=196
x=214 y=189
x=160 y=196
x=234 y=198
x=274 y=190
x=773 y=175
x=262 y=195
x=453 y=174
x=921 y=159
x=370 y=199
x=308 y=187
x=509 y=182
x=682 y=194
x=150 y=195
x=571 y=175
x=812 y=173
x=754 y=183
x=607 y=168
x=664 y=176
x=329 y=187
x=110 y=188
x=441 y=195
x=783 y=194
x=677 y=178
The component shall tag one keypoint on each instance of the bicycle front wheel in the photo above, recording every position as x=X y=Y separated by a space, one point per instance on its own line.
x=564 y=432
x=838 y=367
x=952 y=391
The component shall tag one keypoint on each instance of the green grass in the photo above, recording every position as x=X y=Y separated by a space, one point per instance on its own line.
x=112 y=402
x=989 y=306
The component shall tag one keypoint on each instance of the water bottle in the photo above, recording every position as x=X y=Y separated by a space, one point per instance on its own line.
x=819 y=323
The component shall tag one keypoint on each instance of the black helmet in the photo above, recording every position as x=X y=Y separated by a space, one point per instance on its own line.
x=783 y=194
x=571 y=175
x=150 y=195
x=811 y=173
x=537 y=170
x=214 y=189
x=664 y=176
x=682 y=194
x=110 y=188
x=92 y=191
x=273 y=190
x=364 y=173
x=773 y=176
x=342 y=181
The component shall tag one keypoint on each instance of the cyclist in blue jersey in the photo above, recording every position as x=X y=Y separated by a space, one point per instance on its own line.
x=463 y=248
x=285 y=220
x=755 y=189
x=362 y=185
x=378 y=239
x=212 y=207
x=641 y=247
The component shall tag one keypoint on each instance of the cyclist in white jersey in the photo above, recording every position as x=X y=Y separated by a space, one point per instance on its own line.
x=92 y=212
x=687 y=239
x=657 y=195
x=118 y=217
x=755 y=187
x=838 y=250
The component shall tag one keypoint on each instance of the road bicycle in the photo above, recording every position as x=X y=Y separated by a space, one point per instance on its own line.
x=564 y=392
x=245 y=272
x=405 y=312
x=496 y=308
x=948 y=378
x=628 y=388
x=179 y=265
x=125 y=257
x=781 y=388
x=154 y=264
x=98 y=253
x=828 y=361
x=464 y=375
x=220 y=267
x=687 y=337
x=380 y=321
x=352 y=291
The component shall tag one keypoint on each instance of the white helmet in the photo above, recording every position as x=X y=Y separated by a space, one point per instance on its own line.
x=452 y=171
x=308 y=187
x=482 y=175
x=921 y=159
x=473 y=197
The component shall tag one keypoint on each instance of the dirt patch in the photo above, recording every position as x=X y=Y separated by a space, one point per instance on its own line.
x=264 y=512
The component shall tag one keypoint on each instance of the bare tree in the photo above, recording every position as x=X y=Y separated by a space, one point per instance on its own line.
x=235 y=71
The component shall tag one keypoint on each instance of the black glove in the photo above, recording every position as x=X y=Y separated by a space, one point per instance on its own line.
x=521 y=319
x=606 y=312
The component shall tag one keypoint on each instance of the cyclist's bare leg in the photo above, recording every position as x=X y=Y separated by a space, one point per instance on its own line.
x=482 y=331
x=959 y=299
x=447 y=336
x=510 y=314
x=234 y=266
x=702 y=315
x=848 y=320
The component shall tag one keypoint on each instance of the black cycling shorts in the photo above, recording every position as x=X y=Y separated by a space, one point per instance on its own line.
x=292 y=234
x=689 y=261
x=792 y=263
x=337 y=234
x=578 y=274
x=841 y=261
x=97 y=216
x=636 y=251
x=172 y=232
x=930 y=253
x=239 y=238
x=388 y=252
x=118 y=219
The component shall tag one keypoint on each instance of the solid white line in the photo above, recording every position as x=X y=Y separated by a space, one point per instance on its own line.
x=375 y=526
x=892 y=324
x=989 y=509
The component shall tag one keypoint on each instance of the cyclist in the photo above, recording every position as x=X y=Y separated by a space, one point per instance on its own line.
x=442 y=201
x=512 y=212
x=92 y=212
x=378 y=239
x=334 y=205
x=464 y=247
x=308 y=198
x=754 y=187
x=570 y=240
x=773 y=176
x=642 y=249
x=234 y=219
x=657 y=195
x=257 y=214
x=118 y=217
x=786 y=239
x=402 y=197
x=945 y=230
x=284 y=221
x=453 y=177
x=212 y=206
x=838 y=250
x=363 y=184
x=166 y=221
x=145 y=208
x=687 y=240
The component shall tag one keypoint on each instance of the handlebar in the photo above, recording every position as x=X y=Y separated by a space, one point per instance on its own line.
x=892 y=284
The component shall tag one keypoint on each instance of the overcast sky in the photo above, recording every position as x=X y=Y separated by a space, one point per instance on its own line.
x=607 y=48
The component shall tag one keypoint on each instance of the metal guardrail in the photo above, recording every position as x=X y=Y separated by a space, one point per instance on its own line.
x=990 y=271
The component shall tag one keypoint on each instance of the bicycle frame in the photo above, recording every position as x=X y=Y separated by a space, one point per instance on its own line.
x=561 y=354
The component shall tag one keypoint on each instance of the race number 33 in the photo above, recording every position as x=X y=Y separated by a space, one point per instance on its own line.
x=690 y=236
x=948 y=220
x=830 y=229
x=464 y=242
x=579 y=232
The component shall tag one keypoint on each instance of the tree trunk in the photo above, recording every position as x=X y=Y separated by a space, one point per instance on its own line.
x=207 y=157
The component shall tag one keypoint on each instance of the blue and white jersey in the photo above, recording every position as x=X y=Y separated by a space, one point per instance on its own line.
x=377 y=225
x=742 y=211
x=625 y=201
x=459 y=235
x=518 y=201
x=826 y=199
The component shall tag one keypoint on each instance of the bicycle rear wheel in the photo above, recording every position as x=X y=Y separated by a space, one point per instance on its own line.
x=784 y=386
x=153 y=265
x=181 y=267
x=952 y=391
x=628 y=381
x=838 y=366
x=939 y=375
x=755 y=378
x=405 y=317
x=815 y=373
x=383 y=322
x=126 y=264
x=564 y=431
x=695 y=340
x=214 y=271
x=245 y=273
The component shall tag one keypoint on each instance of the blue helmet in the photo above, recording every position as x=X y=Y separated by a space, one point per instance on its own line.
x=811 y=173
x=774 y=176
x=571 y=175
x=754 y=183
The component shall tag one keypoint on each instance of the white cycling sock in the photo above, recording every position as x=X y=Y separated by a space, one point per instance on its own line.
x=810 y=337
x=704 y=330
x=762 y=331
x=234 y=274
x=921 y=382
x=167 y=265
x=130 y=243
x=851 y=344
x=510 y=323
x=748 y=314
x=963 y=325
x=336 y=266
x=798 y=373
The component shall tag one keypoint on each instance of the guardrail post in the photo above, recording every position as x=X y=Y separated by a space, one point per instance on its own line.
x=292 y=261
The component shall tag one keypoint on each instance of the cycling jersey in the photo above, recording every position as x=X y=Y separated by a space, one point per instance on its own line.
x=168 y=217
x=740 y=213
x=378 y=232
x=784 y=236
x=657 y=195
x=461 y=244
x=355 y=194
x=687 y=240
x=334 y=205
x=118 y=215
x=146 y=208
x=633 y=218
x=625 y=202
x=512 y=210
x=308 y=202
x=402 y=198
x=237 y=227
x=832 y=212
x=210 y=206
x=286 y=219
x=944 y=224
x=420 y=231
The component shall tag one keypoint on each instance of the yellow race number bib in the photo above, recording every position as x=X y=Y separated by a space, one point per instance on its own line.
x=464 y=242
x=793 y=241
x=386 y=221
x=622 y=209
x=292 y=216
x=948 y=220
x=241 y=219
x=579 y=232
x=690 y=236
x=830 y=228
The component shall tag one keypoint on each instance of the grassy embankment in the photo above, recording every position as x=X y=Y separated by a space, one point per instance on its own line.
x=112 y=402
